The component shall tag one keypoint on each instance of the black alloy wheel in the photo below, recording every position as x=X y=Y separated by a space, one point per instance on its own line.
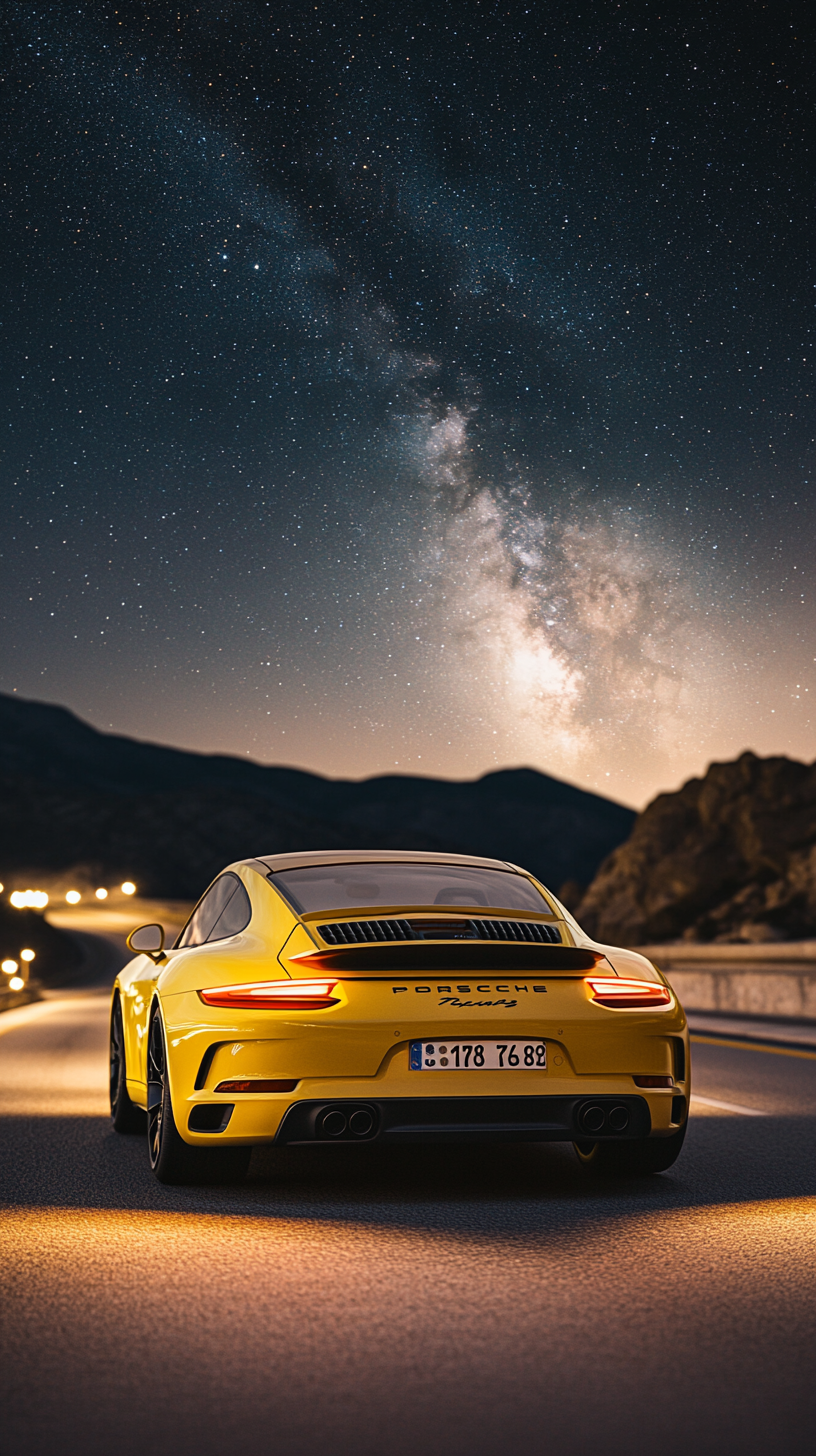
x=630 y=1158
x=172 y=1159
x=156 y=1082
x=127 y=1117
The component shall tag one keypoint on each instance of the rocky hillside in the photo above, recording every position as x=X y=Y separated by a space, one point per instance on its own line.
x=729 y=857
x=73 y=797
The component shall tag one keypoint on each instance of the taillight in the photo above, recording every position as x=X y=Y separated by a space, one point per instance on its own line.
x=274 y=995
x=615 y=991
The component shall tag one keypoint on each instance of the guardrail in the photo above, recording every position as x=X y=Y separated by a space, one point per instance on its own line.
x=776 y=979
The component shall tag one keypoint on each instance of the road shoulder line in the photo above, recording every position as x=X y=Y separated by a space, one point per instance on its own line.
x=753 y=1044
x=729 y=1106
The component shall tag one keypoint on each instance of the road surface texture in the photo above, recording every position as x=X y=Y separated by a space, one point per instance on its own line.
x=353 y=1302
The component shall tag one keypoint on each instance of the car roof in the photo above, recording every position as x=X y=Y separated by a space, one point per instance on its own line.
x=273 y=862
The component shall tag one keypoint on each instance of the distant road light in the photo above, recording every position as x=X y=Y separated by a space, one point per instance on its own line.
x=29 y=899
x=128 y=888
x=101 y=894
x=73 y=897
x=27 y=955
x=16 y=983
x=9 y=967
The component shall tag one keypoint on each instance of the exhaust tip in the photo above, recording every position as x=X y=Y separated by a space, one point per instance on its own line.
x=592 y=1117
x=619 y=1119
x=347 y=1123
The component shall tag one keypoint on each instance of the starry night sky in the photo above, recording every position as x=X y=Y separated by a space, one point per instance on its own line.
x=423 y=388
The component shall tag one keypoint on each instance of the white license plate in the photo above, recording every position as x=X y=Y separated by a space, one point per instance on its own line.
x=490 y=1056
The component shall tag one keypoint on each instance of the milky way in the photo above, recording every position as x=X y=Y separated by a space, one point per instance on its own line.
x=427 y=391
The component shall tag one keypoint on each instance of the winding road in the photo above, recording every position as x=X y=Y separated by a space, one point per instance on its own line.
x=358 y=1302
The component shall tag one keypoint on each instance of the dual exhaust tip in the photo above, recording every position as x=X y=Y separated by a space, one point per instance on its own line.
x=346 y=1122
x=596 y=1118
x=354 y=1124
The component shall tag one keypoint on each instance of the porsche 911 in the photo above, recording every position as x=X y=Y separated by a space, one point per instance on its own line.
x=331 y=998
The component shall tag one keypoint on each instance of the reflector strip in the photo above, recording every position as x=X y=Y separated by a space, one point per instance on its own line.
x=653 y=1081
x=257 y=1084
x=274 y=995
x=615 y=991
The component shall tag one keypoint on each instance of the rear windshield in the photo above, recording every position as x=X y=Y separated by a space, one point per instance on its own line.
x=346 y=887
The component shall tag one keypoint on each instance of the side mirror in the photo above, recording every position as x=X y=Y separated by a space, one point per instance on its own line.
x=148 y=940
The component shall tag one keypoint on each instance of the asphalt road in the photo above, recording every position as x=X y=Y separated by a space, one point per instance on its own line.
x=405 y=1301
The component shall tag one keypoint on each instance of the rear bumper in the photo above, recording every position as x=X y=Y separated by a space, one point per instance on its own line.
x=465 y=1120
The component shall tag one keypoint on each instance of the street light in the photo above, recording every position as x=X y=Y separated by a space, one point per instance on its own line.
x=73 y=897
x=101 y=894
x=128 y=888
x=10 y=969
x=29 y=899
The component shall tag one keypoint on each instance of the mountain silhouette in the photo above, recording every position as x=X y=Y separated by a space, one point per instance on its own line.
x=74 y=798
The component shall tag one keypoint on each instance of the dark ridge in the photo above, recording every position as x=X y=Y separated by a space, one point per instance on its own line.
x=71 y=796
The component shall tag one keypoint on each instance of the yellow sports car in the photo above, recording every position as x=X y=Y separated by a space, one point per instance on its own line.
x=350 y=997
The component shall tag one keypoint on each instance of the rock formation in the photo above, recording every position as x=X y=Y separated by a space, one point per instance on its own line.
x=729 y=857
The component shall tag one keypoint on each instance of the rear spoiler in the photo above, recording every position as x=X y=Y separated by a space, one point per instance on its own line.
x=467 y=957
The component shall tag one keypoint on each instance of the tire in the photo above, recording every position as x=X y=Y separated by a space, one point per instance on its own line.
x=172 y=1159
x=126 y=1116
x=646 y=1155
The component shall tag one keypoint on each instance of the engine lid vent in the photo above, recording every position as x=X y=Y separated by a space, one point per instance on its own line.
x=531 y=930
x=360 y=932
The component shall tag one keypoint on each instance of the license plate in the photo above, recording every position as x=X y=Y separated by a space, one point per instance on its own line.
x=489 y=1056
